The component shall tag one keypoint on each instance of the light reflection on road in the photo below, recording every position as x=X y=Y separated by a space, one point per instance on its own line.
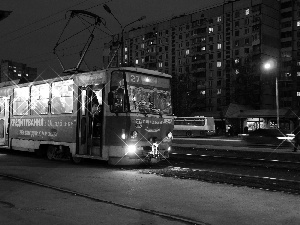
x=208 y=139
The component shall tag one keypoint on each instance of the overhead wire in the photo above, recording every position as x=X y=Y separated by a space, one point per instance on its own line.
x=42 y=19
x=47 y=25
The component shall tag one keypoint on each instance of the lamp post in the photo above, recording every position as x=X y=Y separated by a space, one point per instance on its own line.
x=107 y=9
x=270 y=65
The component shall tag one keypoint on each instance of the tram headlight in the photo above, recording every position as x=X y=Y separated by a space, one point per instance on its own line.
x=123 y=136
x=131 y=148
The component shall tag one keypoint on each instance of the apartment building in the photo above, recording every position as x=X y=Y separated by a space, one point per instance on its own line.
x=217 y=55
x=16 y=71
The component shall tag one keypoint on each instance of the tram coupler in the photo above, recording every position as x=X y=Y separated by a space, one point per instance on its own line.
x=154 y=151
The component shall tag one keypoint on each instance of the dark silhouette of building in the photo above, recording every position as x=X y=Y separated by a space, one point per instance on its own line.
x=17 y=71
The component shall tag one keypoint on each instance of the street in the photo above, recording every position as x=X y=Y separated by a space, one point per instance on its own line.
x=39 y=191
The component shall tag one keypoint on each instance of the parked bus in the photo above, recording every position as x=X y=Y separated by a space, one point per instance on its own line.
x=121 y=115
x=194 y=126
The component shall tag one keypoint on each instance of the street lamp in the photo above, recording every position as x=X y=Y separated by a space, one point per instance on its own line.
x=107 y=9
x=270 y=65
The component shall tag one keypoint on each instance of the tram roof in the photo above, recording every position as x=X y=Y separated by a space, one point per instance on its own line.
x=144 y=71
x=65 y=77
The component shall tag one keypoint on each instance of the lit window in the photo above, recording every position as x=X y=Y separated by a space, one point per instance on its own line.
x=125 y=49
x=187 y=51
x=219 y=64
x=21 y=101
x=237 y=71
x=203 y=48
x=298 y=23
x=125 y=56
x=219 y=91
x=142 y=45
x=210 y=30
x=136 y=61
x=39 y=99
x=160 y=64
x=219 y=19
x=143 y=60
x=247 y=11
x=298 y=74
x=237 y=60
x=62 y=97
x=298 y=93
x=19 y=75
x=219 y=46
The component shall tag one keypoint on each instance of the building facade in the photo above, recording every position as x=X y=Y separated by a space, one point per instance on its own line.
x=16 y=71
x=217 y=55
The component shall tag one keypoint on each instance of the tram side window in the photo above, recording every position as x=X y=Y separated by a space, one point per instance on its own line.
x=39 y=99
x=199 y=122
x=117 y=92
x=2 y=107
x=21 y=101
x=62 y=97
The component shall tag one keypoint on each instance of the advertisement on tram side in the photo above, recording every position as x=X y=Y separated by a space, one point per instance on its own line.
x=44 y=128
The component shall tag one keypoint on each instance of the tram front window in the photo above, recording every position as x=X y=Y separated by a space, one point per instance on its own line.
x=144 y=94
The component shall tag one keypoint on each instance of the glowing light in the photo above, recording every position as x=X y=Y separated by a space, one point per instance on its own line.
x=131 y=148
x=267 y=66
x=285 y=138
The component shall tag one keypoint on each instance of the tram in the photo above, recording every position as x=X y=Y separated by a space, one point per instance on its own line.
x=120 y=115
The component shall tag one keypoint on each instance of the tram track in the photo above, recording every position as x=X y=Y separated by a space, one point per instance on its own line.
x=183 y=170
x=255 y=170
x=164 y=215
x=243 y=161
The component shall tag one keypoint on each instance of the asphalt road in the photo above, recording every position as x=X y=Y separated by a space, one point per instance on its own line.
x=94 y=193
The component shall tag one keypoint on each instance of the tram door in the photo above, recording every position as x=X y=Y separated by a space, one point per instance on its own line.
x=4 y=114
x=90 y=120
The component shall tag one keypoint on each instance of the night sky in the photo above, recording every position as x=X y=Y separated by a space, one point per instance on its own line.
x=30 y=33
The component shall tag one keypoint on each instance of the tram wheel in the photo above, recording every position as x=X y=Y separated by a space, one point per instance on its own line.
x=188 y=133
x=50 y=152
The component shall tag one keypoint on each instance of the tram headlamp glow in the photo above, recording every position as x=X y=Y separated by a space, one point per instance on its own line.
x=131 y=148
x=123 y=136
